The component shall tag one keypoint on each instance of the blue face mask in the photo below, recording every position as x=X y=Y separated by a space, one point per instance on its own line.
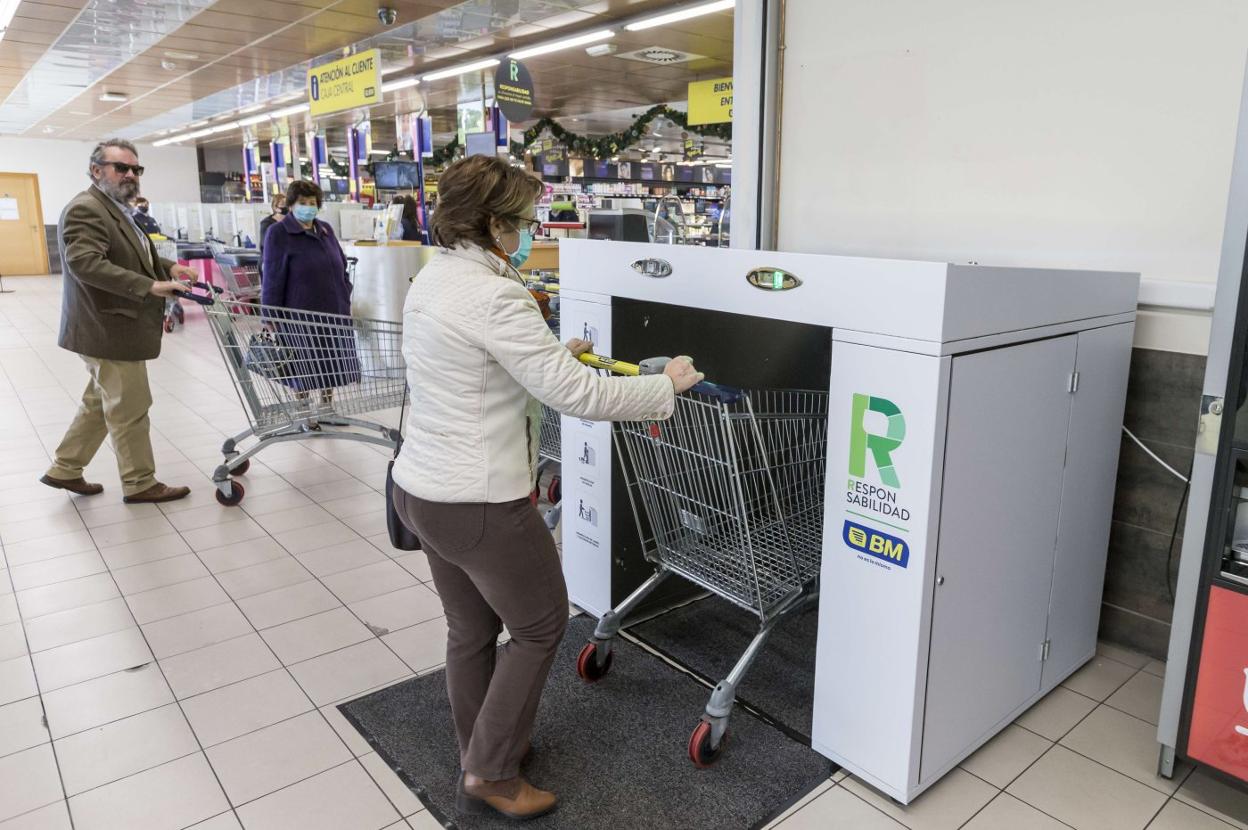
x=305 y=213
x=522 y=252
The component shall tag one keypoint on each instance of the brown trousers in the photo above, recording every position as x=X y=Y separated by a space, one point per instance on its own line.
x=493 y=565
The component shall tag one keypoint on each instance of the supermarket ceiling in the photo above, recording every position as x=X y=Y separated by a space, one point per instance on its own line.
x=147 y=68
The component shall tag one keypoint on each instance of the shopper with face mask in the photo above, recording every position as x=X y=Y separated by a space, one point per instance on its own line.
x=480 y=363
x=304 y=271
x=143 y=217
x=278 y=205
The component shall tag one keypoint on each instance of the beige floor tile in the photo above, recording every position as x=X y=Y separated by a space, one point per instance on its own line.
x=1056 y=714
x=298 y=517
x=422 y=646
x=1005 y=812
x=241 y=708
x=8 y=605
x=144 y=551
x=308 y=539
x=949 y=803
x=1139 y=696
x=110 y=514
x=369 y=581
x=259 y=579
x=122 y=748
x=303 y=639
x=105 y=699
x=28 y=780
x=399 y=609
x=132 y=531
x=1123 y=743
x=365 y=501
x=1086 y=795
x=276 y=756
x=225 y=821
x=169 y=797
x=341 y=674
x=152 y=575
x=399 y=794
x=65 y=627
x=50 y=599
x=1157 y=667
x=218 y=665
x=802 y=802
x=285 y=499
x=335 y=490
x=53 y=571
x=242 y=555
x=88 y=659
x=48 y=547
x=12 y=641
x=416 y=563
x=21 y=726
x=196 y=629
x=349 y=734
x=342 y=556
x=368 y=524
x=1004 y=758
x=204 y=516
x=1179 y=816
x=1099 y=678
x=1206 y=793
x=219 y=535
x=425 y=821
x=283 y=605
x=16 y=679
x=16 y=532
x=52 y=817
x=175 y=600
x=341 y=797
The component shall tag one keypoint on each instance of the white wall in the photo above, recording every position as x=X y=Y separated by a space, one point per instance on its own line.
x=1063 y=134
x=172 y=173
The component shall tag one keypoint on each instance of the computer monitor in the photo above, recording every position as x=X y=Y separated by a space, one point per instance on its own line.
x=481 y=144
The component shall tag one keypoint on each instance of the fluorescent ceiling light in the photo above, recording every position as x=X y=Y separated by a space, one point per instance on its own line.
x=460 y=70
x=197 y=124
x=114 y=97
x=255 y=119
x=186 y=56
x=402 y=83
x=292 y=96
x=295 y=110
x=566 y=43
x=380 y=152
x=681 y=14
x=252 y=108
x=221 y=128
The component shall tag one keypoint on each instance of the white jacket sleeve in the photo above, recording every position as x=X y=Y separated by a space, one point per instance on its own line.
x=519 y=339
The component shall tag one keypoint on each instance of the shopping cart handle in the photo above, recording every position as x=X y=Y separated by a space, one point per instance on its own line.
x=202 y=299
x=654 y=366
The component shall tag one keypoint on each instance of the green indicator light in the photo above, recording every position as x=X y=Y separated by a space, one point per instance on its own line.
x=777 y=280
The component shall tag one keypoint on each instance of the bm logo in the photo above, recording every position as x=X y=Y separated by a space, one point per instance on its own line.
x=872 y=542
x=881 y=447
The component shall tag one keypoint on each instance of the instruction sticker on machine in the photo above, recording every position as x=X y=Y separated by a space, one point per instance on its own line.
x=874 y=488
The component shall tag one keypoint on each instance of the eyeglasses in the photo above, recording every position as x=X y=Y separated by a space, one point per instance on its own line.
x=534 y=225
x=122 y=168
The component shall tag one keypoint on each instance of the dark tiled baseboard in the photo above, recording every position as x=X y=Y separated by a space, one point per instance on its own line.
x=1135 y=631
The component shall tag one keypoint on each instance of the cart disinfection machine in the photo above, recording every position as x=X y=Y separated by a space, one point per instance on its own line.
x=972 y=449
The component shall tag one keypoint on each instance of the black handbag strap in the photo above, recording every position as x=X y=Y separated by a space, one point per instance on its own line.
x=398 y=445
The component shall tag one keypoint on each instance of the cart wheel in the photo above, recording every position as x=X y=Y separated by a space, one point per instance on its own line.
x=179 y=312
x=555 y=491
x=235 y=496
x=700 y=750
x=587 y=663
x=241 y=469
x=535 y=495
x=168 y=325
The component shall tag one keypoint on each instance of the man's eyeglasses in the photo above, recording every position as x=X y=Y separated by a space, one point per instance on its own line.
x=534 y=225
x=122 y=168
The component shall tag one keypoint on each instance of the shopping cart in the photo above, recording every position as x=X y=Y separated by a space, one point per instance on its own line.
x=241 y=269
x=549 y=451
x=727 y=494
x=174 y=313
x=304 y=375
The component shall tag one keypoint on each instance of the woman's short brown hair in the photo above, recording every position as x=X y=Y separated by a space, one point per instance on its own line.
x=299 y=189
x=277 y=197
x=475 y=190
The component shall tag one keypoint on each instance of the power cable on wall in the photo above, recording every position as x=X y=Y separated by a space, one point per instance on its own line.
x=1174 y=532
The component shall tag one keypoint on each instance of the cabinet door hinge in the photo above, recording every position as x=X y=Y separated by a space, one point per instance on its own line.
x=1073 y=386
x=1044 y=650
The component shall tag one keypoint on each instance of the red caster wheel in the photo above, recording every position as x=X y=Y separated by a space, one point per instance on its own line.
x=241 y=469
x=168 y=325
x=555 y=491
x=700 y=750
x=535 y=495
x=587 y=663
x=235 y=496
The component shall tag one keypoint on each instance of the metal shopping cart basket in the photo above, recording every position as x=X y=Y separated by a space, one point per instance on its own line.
x=304 y=375
x=727 y=494
x=241 y=269
x=549 y=451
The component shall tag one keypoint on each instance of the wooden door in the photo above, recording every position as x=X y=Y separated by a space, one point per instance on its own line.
x=23 y=245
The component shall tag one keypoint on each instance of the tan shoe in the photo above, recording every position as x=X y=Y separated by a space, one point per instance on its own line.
x=514 y=798
x=158 y=492
x=77 y=486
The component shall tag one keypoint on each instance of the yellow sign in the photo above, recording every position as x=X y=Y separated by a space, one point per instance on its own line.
x=710 y=102
x=345 y=84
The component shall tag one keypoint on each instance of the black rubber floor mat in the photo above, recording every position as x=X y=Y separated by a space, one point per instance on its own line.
x=614 y=751
x=707 y=637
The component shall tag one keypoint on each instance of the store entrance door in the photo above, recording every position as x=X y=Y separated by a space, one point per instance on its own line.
x=23 y=246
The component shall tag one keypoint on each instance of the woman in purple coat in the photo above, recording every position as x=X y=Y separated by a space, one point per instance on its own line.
x=305 y=278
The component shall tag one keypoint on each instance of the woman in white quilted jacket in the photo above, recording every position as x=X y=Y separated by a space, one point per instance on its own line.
x=480 y=362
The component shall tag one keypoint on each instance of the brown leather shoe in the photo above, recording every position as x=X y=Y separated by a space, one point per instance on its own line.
x=78 y=486
x=158 y=492
x=514 y=798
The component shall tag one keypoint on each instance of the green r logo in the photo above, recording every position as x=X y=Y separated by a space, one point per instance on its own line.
x=515 y=72
x=881 y=446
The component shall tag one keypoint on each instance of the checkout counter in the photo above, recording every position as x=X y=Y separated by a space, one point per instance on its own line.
x=974 y=422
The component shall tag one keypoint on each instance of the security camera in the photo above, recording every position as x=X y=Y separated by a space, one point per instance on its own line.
x=387 y=15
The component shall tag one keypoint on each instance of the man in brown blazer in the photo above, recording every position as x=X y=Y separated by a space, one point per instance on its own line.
x=115 y=286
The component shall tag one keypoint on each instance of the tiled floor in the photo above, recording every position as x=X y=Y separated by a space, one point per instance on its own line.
x=188 y=657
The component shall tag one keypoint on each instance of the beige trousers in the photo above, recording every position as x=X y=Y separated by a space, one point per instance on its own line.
x=114 y=404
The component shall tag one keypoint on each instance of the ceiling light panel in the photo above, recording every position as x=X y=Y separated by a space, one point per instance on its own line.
x=80 y=57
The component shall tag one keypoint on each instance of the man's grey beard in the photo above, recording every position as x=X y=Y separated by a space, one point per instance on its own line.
x=119 y=191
